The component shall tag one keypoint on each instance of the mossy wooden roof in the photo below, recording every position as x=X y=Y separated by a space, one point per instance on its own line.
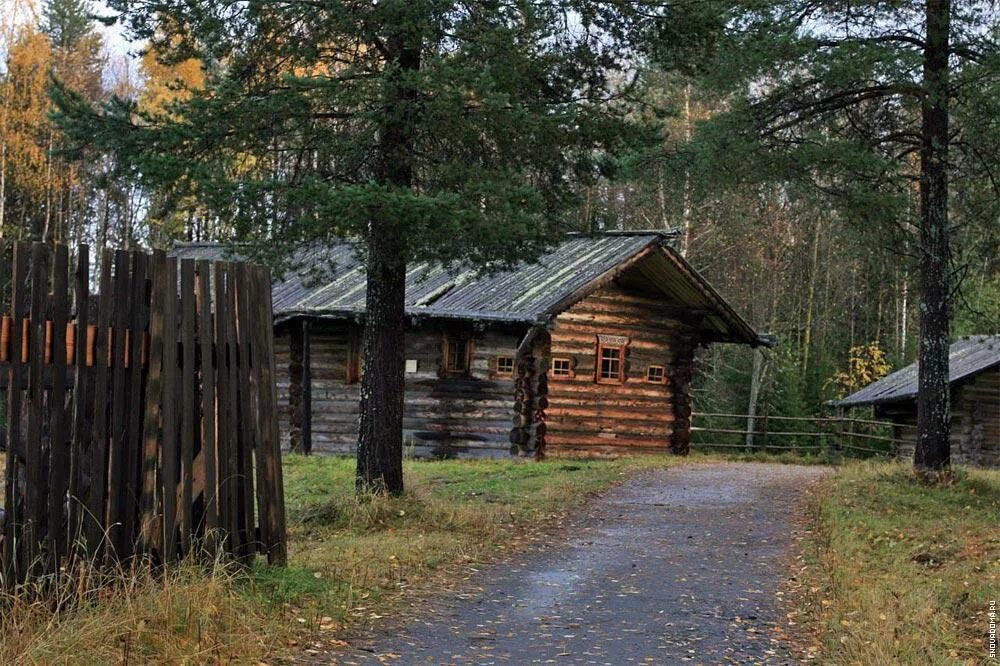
x=967 y=357
x=531 y=293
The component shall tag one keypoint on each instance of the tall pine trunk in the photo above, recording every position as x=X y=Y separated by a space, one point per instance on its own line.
x=380 y=437
x=933 y=450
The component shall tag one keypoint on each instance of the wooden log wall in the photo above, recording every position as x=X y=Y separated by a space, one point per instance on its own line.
x=331 y=410
x=444 y=415
x=168 y=445
x=679 y=374
x=527 y=414
x=585 y=417
x=467 y=415
x=977 y=404
x=300 y=387
x=975 y=422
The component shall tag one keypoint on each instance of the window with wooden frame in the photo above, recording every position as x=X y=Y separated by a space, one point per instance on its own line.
x=457 y=353
x=562 y=367
x=610 y=361
x=503 y=366
x=656 y=374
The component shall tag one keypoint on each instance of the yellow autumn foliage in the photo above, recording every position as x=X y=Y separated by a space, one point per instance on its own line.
x=865 y=364
x=43 y=192
x=168 y=83
x=25 y=128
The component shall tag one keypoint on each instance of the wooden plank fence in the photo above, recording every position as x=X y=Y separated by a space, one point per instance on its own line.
x=140 y=419
x=763 y=432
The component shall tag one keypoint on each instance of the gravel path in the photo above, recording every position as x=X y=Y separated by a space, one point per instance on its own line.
x=675 y=566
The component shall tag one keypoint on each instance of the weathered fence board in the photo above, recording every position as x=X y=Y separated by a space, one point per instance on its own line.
x=168 y=398
x=97 y=490
x=139 y=419
x=208 y=393
x=59 y=459
x=13 y=517
x=81 y=388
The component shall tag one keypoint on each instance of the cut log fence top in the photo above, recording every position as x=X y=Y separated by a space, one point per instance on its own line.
x=70 y=344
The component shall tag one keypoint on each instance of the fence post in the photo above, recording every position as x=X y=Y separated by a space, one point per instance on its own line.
x=823 y=426
x=751 y=426
x=839 y=439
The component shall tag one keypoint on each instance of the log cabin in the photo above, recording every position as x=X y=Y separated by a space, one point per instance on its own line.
x=588 y=351
x=974 y=376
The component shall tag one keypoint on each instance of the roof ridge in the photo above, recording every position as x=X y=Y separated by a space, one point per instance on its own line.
x=605 y=233
x=664 y=233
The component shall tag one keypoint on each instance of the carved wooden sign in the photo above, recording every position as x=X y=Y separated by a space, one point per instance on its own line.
x=613 y=340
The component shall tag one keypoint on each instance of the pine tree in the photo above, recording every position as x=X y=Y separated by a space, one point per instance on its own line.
x=865 y=102
x=67 y=22
x=428 y=130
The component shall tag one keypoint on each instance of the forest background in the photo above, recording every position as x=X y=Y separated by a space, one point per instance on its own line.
x=837 y=291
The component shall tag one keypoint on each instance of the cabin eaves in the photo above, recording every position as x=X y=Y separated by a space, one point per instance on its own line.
x=969 y=356
x=532 y=293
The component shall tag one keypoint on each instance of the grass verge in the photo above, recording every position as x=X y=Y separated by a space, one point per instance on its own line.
x=899 y=571
x=777 y=457
x=351 y=561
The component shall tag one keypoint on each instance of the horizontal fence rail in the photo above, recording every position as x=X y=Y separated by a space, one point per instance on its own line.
x=140 y=420
x=806 y=434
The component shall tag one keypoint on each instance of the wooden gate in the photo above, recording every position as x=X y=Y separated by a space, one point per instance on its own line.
x=140 y=419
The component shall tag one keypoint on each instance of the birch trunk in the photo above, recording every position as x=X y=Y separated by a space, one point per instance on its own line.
x=811 y=298
x=3 y=179
x=686 y=241
x=904 y=313
x=42 y=234
x=5 y=118
x=756 y=376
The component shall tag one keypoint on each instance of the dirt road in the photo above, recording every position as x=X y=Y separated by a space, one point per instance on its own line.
x=681 y=565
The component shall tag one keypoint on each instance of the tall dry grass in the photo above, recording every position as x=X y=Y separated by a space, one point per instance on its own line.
x=189 y=613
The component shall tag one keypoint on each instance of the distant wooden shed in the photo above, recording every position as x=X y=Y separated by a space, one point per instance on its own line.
x=974 y=374
x=587 y=351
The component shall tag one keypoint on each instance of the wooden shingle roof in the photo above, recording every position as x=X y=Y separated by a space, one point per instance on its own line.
x=531 y=293
x=967 y=357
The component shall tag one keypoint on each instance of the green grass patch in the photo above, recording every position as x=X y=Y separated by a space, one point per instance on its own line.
x=791 y=457
x=901 y=571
